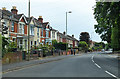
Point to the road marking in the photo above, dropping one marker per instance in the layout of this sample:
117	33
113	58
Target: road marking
110	74
92	57
93	61
97	65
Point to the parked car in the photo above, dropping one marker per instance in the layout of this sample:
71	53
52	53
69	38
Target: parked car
109	51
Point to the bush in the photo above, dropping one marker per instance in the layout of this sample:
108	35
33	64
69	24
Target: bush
115	39
83	45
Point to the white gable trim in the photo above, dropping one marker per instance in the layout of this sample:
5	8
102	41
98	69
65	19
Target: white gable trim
23	16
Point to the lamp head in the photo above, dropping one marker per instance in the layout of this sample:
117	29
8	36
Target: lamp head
70	12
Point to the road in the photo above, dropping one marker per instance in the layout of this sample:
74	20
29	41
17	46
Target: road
85	65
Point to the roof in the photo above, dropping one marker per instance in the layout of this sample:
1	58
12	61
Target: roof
68	36
8	15
18	16
61	35
54	29
45	24
37	23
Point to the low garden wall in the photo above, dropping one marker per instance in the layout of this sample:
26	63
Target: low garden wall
12	57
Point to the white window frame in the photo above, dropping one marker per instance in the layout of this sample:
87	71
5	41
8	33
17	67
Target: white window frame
21	30
12	27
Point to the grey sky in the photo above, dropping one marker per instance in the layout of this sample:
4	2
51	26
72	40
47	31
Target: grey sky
80	20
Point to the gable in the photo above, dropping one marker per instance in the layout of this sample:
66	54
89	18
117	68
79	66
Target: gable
23	19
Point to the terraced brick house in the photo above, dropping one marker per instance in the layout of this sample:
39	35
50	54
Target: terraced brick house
54	34
45	32
17	27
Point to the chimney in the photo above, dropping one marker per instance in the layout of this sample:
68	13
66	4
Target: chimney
40	19
14	10
64	33
3	8
73	36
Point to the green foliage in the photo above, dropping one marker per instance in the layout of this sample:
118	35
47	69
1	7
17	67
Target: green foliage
11	46
54	42
107	16
84	36
115	39
61	46
98	46
4	42
90	49
83	45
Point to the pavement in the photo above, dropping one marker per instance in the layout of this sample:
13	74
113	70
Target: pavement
93	65
19	65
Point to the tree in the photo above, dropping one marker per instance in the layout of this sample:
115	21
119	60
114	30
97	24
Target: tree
115	39
84	36
107	15
83	45
54	42
103	28
4	42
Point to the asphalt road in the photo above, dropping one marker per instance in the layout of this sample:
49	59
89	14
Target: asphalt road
86	65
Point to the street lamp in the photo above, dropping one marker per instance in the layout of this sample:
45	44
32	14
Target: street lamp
66	29
29	31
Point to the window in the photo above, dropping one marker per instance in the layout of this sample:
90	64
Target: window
21	28
12	28
53	34
20	44
38	32
25	44
31	30
47	33
42	32
35	43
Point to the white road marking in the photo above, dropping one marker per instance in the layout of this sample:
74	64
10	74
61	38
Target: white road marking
92	57
110	74
97	65
93	61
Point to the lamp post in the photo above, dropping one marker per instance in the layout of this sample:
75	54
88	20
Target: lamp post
66	29
29	31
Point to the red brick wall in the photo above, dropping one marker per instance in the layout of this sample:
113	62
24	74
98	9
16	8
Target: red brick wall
22	20
64	40
15	27
25	31
44	33
12	57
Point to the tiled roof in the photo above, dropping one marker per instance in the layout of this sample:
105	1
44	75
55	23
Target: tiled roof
37	23
54	29
45	24
8	15
18	16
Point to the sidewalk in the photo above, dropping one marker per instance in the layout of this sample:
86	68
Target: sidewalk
20	65
115	55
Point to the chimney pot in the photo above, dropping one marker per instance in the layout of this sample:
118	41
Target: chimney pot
14	10
64	33
3	8
14	7
40	16
40	19
73	36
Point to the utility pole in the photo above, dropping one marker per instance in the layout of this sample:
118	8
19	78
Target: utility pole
66	30
66	33
29	31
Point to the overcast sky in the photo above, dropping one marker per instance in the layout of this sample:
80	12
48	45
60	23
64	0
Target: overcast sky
80	20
